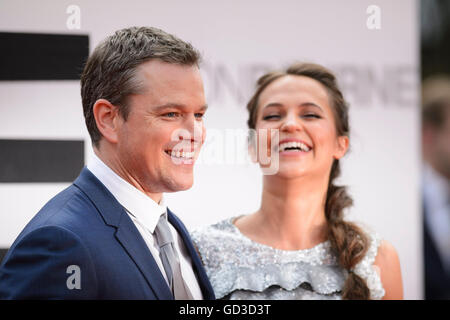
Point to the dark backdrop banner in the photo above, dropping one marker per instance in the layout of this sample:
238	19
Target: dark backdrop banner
40	160
36	56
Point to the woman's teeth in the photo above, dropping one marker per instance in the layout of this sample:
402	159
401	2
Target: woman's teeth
180	154
293	145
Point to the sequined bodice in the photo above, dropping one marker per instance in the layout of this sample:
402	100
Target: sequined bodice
240	268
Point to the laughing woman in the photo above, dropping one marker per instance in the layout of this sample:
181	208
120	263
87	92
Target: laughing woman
298	244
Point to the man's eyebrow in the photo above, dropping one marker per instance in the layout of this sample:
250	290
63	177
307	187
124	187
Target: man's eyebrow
204	107
280	105
179	106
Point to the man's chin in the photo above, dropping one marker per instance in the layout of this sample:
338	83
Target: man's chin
185	187
180	185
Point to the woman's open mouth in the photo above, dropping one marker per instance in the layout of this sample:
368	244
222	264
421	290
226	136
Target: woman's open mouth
293	146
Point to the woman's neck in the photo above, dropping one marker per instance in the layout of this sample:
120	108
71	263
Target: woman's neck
292	212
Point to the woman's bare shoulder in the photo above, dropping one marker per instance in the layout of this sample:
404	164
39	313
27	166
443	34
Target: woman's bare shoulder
388	263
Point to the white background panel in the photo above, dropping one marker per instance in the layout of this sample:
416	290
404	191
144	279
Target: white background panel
239	40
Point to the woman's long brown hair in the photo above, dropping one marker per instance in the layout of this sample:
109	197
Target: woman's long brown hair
347	240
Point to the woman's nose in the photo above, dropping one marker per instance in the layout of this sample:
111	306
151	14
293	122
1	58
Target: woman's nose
290	124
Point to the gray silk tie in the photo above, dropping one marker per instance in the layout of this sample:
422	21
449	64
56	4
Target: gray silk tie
170	260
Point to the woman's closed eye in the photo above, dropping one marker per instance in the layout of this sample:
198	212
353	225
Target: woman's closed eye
271	117
311	115
277	116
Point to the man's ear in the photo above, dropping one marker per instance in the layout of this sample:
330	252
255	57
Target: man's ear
341	147
107	119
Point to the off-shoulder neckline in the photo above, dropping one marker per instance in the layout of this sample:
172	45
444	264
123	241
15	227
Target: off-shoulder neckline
318	246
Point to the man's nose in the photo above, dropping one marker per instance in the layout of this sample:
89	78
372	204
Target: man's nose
192	130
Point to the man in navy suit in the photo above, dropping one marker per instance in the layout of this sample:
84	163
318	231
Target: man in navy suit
436	185
102	238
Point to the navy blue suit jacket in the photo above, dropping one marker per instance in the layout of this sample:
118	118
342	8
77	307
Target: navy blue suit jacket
85	226
437	280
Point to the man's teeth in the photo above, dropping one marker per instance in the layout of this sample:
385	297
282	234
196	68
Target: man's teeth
181	154
294	145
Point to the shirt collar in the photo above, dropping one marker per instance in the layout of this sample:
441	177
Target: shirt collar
138	204
436	188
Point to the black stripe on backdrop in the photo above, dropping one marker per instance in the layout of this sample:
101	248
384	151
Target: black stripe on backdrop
40	160
34	56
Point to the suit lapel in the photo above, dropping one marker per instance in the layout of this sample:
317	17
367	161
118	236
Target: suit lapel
205	285
134	244
127	234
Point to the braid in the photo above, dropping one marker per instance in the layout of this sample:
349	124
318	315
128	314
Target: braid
347	240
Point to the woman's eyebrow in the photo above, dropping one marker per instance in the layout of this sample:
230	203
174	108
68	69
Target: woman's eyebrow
273	104
280	105
310	104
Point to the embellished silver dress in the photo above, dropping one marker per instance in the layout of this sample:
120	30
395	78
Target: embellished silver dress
239	268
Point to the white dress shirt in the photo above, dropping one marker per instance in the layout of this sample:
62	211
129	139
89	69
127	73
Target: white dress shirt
145	214
437	207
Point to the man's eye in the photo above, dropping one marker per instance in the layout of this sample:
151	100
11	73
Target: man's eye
271	116
171	114
199	115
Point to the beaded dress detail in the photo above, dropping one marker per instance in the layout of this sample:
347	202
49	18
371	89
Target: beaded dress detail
239	268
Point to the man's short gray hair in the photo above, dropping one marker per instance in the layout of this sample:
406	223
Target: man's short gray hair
110	71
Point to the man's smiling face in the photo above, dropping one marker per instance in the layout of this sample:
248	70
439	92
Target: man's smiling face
164	131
